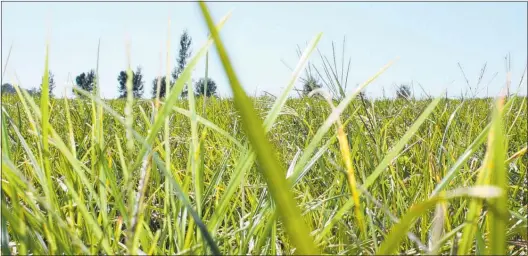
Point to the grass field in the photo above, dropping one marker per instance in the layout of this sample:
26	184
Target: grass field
263	175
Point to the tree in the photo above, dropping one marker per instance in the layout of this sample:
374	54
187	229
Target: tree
85	81
137	83
51	84
199	87
163	87
310	84
8	88
34	91
404	91
181	61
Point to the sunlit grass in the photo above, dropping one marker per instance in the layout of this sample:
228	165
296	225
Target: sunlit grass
260	176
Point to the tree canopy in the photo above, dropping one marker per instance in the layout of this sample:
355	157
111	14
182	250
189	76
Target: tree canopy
163	88
200	90
137	83
403	91
85	81
8	88
181	61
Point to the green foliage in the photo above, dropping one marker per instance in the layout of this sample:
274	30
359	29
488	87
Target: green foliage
163	85
319	192
200	88
8	88
137	83
183	54
51	83
403	92
85	81
332	72
310	84
255	176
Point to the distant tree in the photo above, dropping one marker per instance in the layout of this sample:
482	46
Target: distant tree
199	87
8	88
310	84
181	61
85	81
163	87
404	91
51	84
137	83
34	91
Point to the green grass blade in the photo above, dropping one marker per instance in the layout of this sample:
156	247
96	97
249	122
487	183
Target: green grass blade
205	83
249	156
171	178
389	157
3	232
480	246
4	235
211	126
44	110
41	176
195	151
329	122
70	128
498	208
271	169
453	171
390	244
183	197
172	98
492	168
279	103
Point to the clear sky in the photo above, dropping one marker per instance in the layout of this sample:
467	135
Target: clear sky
429	38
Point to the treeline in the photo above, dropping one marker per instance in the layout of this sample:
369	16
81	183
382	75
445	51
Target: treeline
87	80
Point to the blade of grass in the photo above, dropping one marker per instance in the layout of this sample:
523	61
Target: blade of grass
453	171
194	168
166	137
389	157
211	126
347	159
329	122
495	152
7	61
205	83
171	178
390	244
272	171
44	110
498	217
183	197
172	98
249	156
4	235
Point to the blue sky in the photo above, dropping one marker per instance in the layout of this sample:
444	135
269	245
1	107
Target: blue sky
429	38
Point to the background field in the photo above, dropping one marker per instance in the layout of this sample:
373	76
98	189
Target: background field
246	225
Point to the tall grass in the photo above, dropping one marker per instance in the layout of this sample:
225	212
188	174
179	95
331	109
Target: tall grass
256	176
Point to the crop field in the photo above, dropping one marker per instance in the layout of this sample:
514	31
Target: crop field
262	176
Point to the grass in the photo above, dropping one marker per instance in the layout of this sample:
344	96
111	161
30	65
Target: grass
261	175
